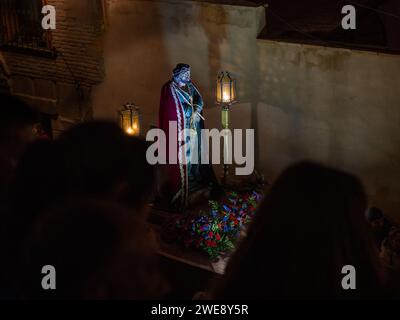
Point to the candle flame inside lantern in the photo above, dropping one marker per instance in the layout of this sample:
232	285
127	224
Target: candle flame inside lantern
226	90
130	121
130	131
226	97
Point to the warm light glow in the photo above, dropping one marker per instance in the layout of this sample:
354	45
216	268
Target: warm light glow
226	97
226	89
130	131
130	120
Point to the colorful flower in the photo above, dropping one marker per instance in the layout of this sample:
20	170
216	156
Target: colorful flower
216	232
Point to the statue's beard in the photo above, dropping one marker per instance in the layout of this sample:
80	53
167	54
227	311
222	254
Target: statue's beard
184	81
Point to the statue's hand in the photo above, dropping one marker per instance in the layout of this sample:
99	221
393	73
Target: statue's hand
194	120
198	107
198	117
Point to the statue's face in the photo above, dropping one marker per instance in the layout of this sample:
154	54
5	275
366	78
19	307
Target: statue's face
185	77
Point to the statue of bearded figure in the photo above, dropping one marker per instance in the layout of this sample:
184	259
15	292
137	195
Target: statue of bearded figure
181	103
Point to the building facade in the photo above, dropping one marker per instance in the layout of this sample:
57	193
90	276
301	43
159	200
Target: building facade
54	70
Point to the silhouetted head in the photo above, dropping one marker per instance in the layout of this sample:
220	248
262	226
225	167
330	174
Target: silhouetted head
376	218
16	118
310	225
37	181
98	249
99	159
374	213
17	121
91	159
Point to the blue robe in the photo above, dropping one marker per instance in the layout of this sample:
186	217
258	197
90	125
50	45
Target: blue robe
192	102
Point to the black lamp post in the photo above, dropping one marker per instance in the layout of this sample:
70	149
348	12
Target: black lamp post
226	97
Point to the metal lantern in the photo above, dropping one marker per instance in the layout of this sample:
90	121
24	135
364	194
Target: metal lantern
225	96
226	89
130	119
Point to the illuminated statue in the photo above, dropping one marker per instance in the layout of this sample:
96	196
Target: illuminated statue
182	103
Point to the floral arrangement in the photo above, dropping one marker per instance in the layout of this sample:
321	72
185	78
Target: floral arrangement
217	230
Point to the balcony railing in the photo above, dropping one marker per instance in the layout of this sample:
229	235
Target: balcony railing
21	27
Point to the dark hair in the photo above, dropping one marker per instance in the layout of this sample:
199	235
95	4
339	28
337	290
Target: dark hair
16	133
36	182
374	214
98	249
14	112
179	67
34	187
94	159
99	159
310	225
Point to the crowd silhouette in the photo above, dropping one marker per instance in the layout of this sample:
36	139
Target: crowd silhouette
80	202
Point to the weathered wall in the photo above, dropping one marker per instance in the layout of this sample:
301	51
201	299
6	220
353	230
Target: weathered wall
336	106
62	85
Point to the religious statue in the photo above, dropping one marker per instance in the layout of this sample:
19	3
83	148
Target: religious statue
181	103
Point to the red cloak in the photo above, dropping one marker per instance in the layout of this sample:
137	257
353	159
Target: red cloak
175	184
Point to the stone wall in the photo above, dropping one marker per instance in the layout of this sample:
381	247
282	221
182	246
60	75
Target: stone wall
62	85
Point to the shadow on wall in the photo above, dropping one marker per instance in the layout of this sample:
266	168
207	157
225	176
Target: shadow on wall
335	106
234	50
213	21
133	50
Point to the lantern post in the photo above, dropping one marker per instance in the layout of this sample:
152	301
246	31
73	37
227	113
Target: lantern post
226	97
